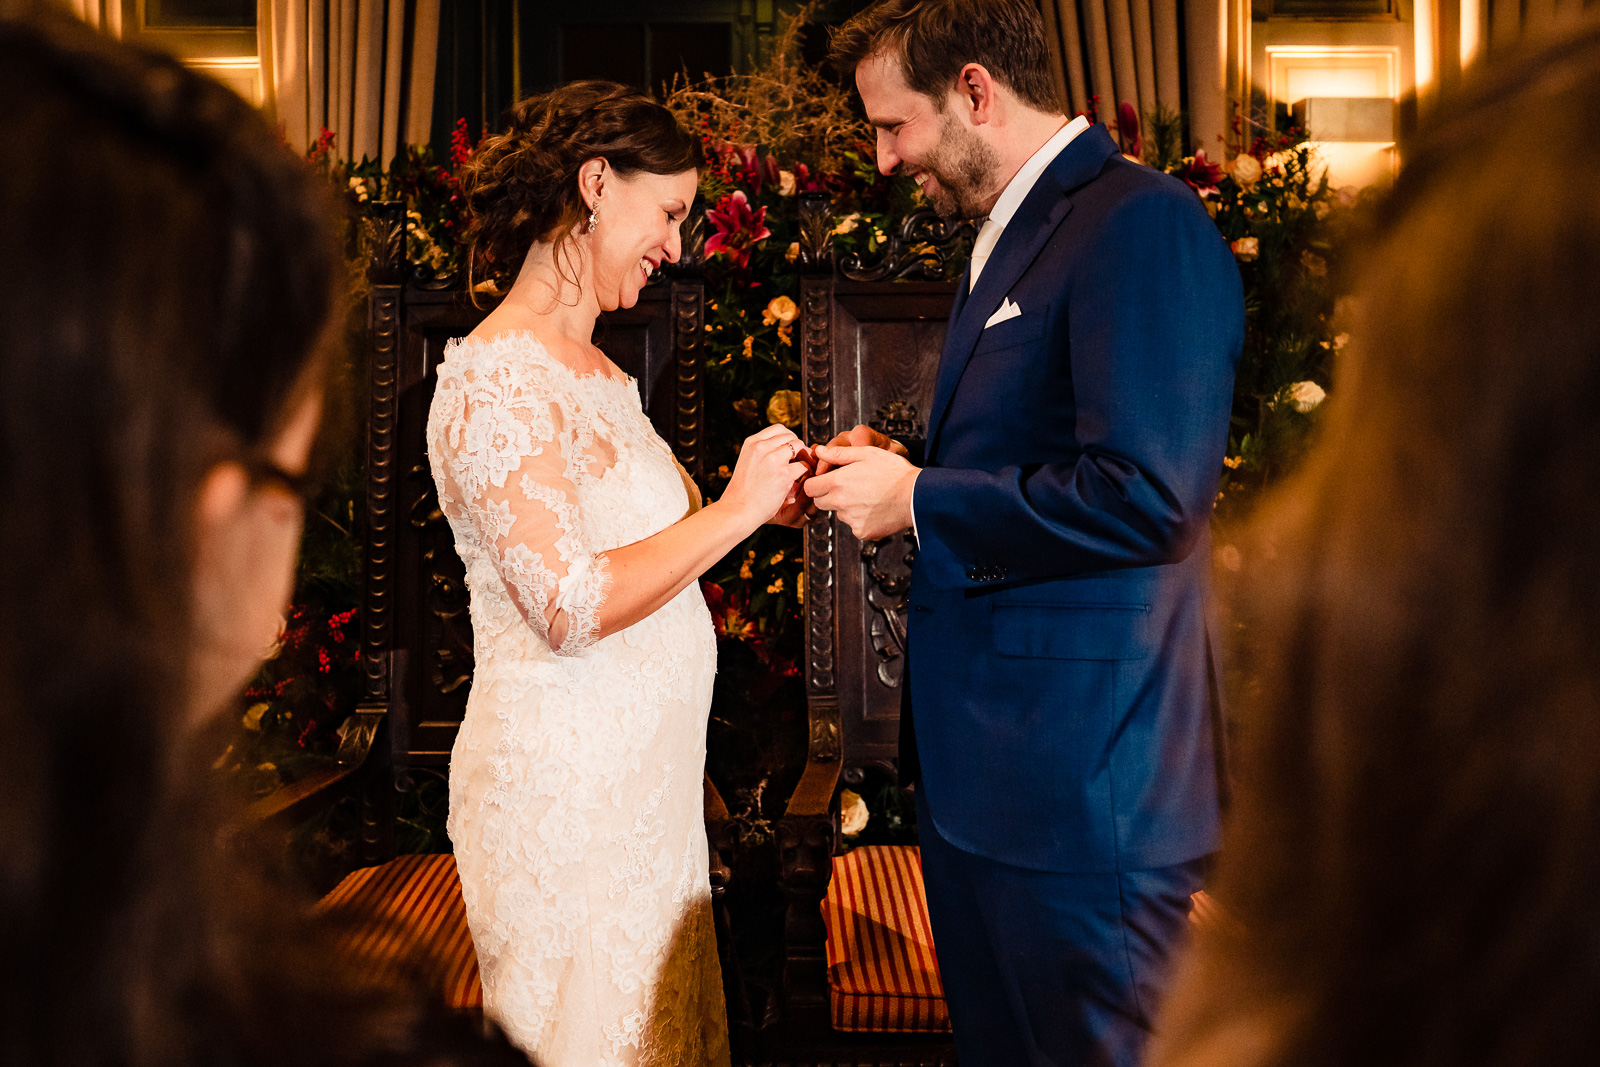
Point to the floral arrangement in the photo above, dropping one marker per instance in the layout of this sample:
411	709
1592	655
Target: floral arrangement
1273	204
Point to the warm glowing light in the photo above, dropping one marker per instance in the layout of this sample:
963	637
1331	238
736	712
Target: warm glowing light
1295	72
242	74
1356	164
1469	31
1422	16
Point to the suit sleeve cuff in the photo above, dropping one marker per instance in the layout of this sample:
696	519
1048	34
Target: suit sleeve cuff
935	560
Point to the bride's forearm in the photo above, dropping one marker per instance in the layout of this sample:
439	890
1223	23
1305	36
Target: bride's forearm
647	574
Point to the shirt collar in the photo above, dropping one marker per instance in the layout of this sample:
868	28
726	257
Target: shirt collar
1017	190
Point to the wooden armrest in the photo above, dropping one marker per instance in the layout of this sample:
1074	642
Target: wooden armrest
290	803
716	809
284	805
719	836
813	794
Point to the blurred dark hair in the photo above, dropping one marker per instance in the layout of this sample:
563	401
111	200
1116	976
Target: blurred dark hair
934	39
521	185
1416	842
168	286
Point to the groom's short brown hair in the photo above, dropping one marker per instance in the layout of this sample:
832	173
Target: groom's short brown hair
934	39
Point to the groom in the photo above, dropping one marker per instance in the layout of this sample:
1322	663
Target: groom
1061	711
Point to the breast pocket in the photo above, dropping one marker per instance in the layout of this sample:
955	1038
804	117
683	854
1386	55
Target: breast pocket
1073	631
1026	327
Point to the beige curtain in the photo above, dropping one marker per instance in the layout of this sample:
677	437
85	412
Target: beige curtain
1510	22
361	68
1128	51
101	14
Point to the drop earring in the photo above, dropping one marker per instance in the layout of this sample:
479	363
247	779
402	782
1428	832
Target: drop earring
593	214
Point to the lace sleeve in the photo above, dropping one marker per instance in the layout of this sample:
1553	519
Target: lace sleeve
509	452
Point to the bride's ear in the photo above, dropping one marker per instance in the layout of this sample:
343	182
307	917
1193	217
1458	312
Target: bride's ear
592	177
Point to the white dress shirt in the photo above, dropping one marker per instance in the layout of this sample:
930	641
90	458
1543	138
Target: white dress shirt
1016	191
1011	198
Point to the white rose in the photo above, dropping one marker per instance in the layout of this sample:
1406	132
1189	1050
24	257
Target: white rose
1247	248
853	813
1246	170
786	183
1305	396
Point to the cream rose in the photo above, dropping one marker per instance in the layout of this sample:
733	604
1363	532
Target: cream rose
1305	396
853	814
1247	248
1246	170
787	407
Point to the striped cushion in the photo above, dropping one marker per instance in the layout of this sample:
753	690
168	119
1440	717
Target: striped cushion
409	912
882	975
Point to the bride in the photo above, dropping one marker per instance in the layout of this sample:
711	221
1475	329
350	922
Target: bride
575	784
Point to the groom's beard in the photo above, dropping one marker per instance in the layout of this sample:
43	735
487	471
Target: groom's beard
963	168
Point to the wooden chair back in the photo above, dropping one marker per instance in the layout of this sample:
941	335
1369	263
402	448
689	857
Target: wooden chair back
871	339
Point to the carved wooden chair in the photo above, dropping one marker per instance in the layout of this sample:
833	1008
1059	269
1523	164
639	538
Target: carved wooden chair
871	339
416	650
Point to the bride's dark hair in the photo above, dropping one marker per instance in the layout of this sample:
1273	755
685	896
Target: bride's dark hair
168	284
521	185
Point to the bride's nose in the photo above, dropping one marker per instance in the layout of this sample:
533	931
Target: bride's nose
674	246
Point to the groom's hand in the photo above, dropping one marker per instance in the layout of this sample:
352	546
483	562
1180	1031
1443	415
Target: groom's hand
864	437
868	487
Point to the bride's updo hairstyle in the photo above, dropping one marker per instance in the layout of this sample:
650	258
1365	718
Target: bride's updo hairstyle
521	185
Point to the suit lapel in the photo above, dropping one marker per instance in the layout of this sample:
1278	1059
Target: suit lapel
1025	235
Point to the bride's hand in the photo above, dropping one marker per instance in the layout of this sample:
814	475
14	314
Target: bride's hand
771	465
797	507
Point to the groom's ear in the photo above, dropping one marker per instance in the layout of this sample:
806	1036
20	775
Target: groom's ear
976	87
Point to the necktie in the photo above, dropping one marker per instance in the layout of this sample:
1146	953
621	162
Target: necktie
984	244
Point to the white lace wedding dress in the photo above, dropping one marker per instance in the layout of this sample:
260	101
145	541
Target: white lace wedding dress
575	784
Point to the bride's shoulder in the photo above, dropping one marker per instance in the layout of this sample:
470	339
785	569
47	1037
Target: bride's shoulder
514	358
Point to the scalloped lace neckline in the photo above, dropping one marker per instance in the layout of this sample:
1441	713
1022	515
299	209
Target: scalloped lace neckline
523	341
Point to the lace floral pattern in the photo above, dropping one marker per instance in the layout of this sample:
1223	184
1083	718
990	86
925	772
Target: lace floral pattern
575	783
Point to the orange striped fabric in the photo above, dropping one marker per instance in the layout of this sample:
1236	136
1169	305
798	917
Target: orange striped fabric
408	912
882	974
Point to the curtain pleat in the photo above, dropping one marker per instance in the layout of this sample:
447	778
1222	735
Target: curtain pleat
361	68
101	14
424	49
1125	70
366	135
1144	53
1129	51
1205	47
393	76
1169	87
1101	82
1505	23
1511	22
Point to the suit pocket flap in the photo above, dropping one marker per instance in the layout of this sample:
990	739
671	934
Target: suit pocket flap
1028	326
1073	631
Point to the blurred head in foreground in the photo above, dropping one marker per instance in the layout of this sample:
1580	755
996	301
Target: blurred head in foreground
168	284
1416	841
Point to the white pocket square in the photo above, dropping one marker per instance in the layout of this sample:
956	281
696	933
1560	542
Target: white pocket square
1008	310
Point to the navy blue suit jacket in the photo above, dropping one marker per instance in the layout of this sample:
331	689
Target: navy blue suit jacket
1060	706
